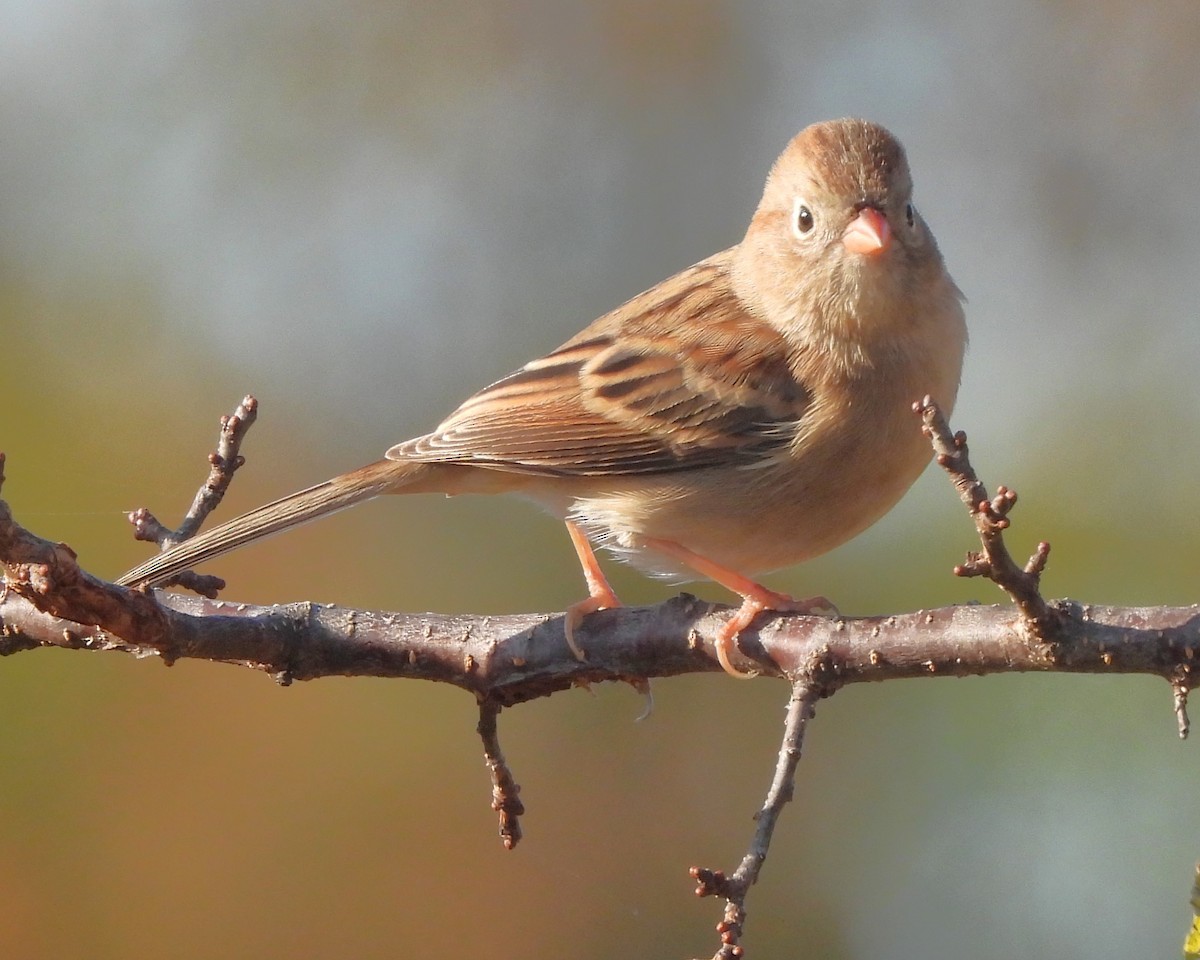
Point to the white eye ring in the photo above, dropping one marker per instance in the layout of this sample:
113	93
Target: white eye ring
802	219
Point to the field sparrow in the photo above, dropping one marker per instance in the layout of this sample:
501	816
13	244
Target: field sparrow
746	414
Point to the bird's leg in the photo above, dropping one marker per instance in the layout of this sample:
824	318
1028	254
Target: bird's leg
755	599
600	594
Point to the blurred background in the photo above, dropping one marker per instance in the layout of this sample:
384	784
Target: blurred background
362	211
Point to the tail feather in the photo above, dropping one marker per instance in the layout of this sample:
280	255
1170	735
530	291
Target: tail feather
283	514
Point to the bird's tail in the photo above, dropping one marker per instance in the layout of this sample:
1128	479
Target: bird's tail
325	498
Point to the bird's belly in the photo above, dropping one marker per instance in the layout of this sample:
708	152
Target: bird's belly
754	520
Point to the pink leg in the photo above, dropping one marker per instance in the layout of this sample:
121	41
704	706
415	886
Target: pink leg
755	599
600	594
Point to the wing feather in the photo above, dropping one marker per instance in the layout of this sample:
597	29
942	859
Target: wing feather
621	398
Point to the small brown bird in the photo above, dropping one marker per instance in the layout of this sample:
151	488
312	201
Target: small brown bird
746	414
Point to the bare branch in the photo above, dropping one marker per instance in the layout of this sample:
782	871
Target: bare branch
1180	690
505	789
520	657
801	709
991	520
223	463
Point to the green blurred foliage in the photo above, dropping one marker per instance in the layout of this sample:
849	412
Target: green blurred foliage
360	212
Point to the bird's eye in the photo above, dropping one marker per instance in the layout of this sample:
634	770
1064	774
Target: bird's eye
910	215
802	218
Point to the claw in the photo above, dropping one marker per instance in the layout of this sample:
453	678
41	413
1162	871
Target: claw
600	594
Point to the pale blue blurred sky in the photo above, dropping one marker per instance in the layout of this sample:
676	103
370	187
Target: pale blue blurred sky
355	197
